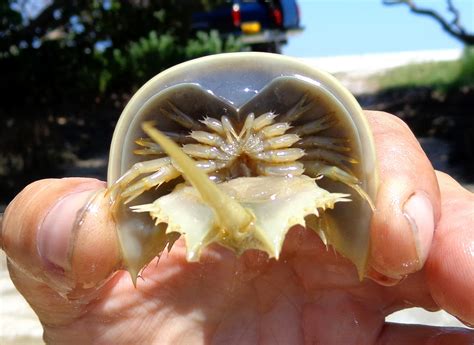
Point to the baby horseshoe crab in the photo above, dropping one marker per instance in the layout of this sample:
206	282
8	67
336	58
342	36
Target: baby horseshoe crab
236	149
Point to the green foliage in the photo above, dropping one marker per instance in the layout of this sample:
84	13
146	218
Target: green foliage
466	75
94	48
210	43
442	76
437	74
152	54
10	19
78	59
141	60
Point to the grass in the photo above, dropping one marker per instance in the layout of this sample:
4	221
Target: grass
442	76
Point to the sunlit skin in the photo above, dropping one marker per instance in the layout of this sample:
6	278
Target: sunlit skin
310	296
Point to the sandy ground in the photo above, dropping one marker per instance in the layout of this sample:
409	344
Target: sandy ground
18	323
20	326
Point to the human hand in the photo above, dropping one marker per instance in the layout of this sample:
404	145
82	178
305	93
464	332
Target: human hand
69	272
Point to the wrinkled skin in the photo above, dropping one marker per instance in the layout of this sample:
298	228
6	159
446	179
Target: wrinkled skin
310	296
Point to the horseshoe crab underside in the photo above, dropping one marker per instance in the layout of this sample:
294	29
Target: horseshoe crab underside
240	162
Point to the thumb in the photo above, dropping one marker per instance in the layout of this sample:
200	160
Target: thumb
60	242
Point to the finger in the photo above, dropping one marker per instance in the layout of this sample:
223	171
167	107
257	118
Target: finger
407	205
395	334
450	266
60	243
447	278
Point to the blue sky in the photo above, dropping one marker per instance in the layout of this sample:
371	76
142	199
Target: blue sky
346	27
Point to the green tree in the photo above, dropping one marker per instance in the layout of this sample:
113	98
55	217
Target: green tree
68	67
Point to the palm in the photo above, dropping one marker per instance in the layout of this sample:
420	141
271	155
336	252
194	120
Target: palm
311	295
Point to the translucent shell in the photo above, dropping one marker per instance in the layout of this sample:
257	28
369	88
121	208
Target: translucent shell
259	143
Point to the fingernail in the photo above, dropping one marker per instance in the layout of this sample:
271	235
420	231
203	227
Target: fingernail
419	213
381	278
55	236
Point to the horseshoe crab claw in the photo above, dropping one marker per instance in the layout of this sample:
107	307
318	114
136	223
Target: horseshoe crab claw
236	149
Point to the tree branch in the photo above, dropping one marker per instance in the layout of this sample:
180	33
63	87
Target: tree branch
40	25
456	20
454	28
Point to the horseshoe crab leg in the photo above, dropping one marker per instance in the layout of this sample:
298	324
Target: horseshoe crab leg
282	141
123	183
297	110
329	156
164	174
180	117
337	174
268	169
263	120
328	143
149	148
324	122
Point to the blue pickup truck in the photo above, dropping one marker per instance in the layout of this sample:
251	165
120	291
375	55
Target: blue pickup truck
263	24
